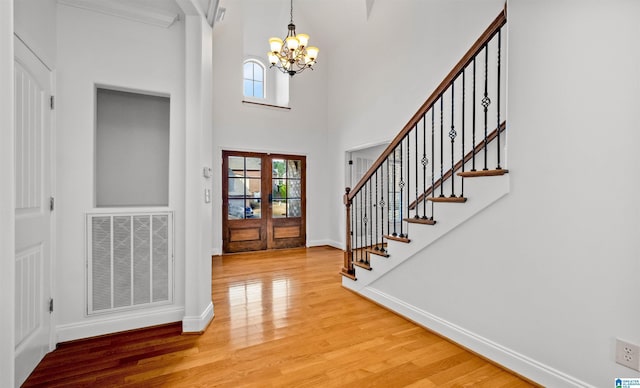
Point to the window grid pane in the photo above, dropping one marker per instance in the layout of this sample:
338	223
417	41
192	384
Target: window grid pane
258	72
257	89
253	79
248	88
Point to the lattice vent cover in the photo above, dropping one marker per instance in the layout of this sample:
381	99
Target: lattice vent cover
129	261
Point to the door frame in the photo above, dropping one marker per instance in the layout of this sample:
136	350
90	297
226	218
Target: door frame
267	222
7	190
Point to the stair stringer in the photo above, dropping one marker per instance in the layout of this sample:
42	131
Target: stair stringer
481	193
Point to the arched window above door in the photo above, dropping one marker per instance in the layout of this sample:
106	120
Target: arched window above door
253	79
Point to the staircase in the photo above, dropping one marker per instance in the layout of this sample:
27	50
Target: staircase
441	169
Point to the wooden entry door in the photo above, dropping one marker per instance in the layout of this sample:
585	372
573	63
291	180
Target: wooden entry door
264	205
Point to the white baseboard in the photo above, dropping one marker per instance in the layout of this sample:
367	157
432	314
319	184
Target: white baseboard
512	360
198	324
331	243
216	252
96	326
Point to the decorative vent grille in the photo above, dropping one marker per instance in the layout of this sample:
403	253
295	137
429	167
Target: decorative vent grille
129	260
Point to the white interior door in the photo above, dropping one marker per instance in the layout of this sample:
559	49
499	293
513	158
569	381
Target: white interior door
33	217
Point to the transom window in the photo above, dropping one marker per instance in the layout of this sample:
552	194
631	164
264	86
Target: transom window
253	82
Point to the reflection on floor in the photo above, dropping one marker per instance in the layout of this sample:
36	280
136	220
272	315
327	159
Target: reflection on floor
282	319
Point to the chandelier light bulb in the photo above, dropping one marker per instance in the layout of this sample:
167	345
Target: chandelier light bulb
276	44
273	59
303	39
312	52
292	43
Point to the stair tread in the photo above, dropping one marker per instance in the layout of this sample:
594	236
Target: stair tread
479	173
448	199
423	221
363	265
396	238
348	275
375	252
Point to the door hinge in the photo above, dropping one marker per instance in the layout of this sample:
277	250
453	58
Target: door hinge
50	305
350	162
52	202
52	103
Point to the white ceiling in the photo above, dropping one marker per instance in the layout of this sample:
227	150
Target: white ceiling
331	20
167	5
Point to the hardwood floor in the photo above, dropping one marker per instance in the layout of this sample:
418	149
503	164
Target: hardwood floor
282	319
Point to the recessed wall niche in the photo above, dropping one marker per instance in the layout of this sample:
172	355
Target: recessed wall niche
131	149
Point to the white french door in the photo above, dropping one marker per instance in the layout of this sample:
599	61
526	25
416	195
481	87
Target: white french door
33	217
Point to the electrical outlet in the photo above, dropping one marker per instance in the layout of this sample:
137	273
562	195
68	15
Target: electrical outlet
628	354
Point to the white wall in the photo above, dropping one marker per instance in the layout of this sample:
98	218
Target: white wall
237	126
198	142
7	201
255	45
35	24
94	48
550	272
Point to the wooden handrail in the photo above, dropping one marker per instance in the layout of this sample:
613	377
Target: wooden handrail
478	148
479	44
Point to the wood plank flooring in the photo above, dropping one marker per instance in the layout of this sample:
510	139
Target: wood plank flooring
282	319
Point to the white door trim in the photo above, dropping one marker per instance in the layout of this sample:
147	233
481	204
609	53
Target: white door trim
7	190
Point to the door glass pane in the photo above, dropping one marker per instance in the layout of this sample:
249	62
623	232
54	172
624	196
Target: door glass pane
248	209
236	166
253	187
293	168
293	208
236	187
286	188
236	209
245	187
254	166
279	189
293	188
279	168
256	208
279	209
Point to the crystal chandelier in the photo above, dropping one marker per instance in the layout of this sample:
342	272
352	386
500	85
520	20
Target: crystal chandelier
292	56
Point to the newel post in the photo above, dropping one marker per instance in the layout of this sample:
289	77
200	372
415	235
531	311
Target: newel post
348	269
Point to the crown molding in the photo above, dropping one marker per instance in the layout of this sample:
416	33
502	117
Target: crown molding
153	16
